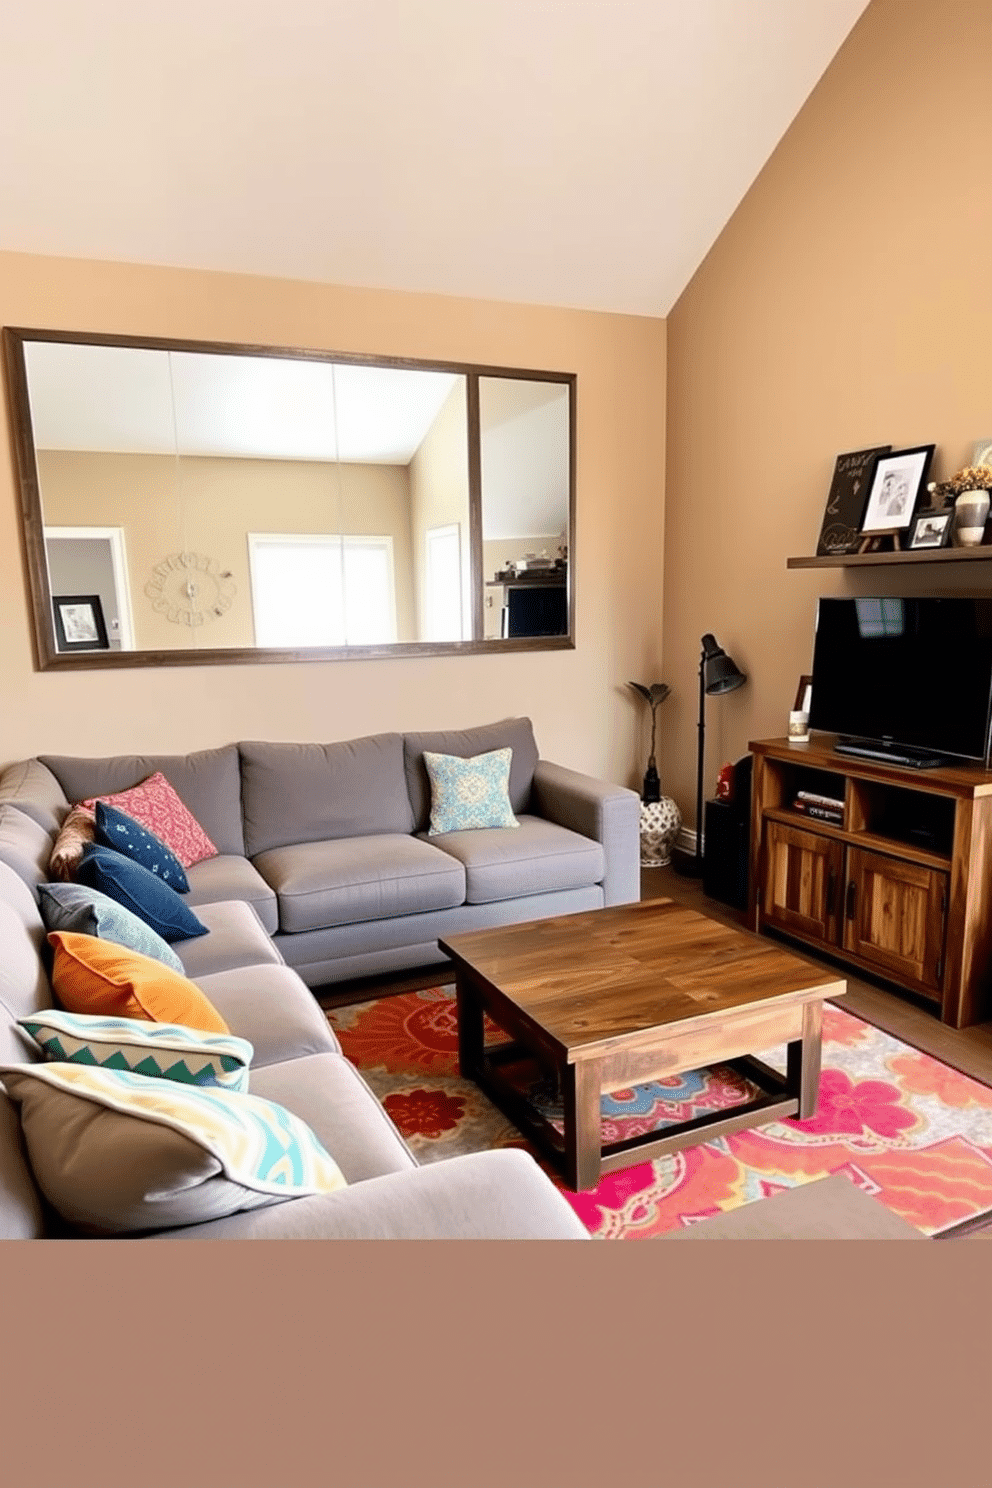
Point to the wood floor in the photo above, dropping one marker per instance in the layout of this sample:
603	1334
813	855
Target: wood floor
967	1049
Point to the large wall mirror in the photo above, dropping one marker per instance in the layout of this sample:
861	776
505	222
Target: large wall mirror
191	502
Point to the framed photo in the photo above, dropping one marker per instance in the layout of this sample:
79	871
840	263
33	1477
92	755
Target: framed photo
804	693
840	531
982	453
79	624
931	529
896	483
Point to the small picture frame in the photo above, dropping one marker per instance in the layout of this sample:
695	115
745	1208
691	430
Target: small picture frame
896	483
931	529
982	453
79	623
804	693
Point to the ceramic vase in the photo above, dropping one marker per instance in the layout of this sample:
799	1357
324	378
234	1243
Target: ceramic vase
971	510
660	823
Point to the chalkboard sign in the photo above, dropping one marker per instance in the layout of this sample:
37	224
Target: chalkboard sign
841	530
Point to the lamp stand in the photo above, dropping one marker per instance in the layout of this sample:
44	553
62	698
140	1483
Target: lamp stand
690	865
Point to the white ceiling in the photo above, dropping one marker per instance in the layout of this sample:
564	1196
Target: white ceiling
135	400
572	152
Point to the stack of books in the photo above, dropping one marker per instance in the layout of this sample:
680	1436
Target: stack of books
824	808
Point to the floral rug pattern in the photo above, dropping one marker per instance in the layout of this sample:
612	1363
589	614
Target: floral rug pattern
901	1125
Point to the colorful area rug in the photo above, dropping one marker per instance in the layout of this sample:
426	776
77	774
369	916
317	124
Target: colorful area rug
901	1125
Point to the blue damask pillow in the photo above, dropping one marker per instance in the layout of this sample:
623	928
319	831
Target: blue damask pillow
78	907
116	829
470	793
153	901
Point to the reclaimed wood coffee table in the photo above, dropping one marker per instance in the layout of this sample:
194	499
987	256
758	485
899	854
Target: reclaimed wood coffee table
622	996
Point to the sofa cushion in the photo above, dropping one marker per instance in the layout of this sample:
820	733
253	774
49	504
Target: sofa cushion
163	1051
359	878
208	782
114	828
469	794
272	1008
235	937
96	976
24	986
539	858
33	789
139	891
513	733
24	846
313	792
77	907
328	1093
77	831
231	878
117	1153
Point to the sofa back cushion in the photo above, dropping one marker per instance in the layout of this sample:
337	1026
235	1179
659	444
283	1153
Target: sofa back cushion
207	782
24	845
33	789
315	792
515	733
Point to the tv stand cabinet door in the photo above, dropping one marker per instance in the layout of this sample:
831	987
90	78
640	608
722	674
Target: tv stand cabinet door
800	886
895	917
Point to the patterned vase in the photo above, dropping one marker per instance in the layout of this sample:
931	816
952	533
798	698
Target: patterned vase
660	823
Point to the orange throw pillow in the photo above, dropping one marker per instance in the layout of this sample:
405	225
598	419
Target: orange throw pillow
100	977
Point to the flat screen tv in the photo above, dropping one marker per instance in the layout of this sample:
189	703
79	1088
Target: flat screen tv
909	678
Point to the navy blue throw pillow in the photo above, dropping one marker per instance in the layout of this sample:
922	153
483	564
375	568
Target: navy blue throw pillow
140	891
116	829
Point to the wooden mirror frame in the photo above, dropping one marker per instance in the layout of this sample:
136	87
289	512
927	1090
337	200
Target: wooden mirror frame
49	658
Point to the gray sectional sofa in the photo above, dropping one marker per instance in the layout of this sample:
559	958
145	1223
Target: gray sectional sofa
324	863
329	842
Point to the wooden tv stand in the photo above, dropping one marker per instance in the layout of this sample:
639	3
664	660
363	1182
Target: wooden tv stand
900	887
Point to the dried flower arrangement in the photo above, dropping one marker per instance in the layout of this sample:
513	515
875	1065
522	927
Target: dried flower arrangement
971	478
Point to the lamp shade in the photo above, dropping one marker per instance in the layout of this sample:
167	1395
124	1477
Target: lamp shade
720	673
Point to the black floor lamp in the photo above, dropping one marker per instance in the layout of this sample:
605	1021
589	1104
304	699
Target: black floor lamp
717	673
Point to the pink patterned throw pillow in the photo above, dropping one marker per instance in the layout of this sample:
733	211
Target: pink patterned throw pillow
156	806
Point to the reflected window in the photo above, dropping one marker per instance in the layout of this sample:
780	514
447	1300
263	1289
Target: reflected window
322	589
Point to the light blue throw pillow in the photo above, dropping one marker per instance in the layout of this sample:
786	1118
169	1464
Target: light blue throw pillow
470	794
127	882
163	1051
116	829
79	908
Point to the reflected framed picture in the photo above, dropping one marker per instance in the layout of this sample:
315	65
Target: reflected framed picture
931	529
896	483
79	623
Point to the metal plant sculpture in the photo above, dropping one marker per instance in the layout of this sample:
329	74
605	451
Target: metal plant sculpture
654	695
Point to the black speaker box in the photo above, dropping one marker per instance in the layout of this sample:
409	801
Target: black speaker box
726	841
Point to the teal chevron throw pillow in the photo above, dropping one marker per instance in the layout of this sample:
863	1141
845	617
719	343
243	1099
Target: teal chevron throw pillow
162	1051
86	911
471	793
117	1153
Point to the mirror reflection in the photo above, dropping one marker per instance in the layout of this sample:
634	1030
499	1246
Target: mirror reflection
212	500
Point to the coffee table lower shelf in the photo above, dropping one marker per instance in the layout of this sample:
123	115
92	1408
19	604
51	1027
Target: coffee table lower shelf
774	1104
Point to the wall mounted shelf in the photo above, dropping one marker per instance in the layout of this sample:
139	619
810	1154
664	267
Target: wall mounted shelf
878	560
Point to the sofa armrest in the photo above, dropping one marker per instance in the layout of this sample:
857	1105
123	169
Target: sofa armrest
498	1195
610	814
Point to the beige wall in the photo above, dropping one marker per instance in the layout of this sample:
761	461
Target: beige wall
577	699
439	498
846	304
208	506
